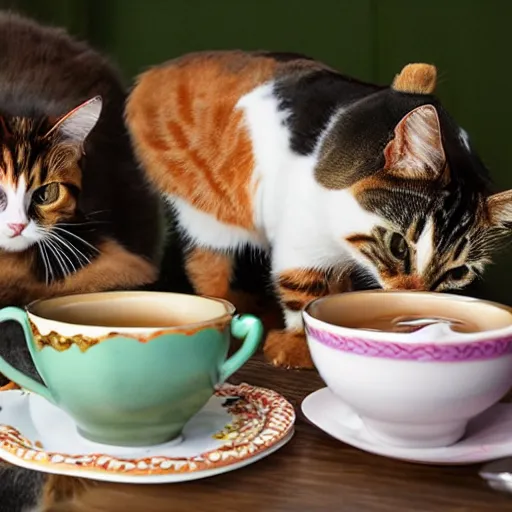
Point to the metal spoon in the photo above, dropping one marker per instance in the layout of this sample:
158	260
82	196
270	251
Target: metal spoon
498	474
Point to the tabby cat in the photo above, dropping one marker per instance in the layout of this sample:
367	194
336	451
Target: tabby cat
76	213
325	172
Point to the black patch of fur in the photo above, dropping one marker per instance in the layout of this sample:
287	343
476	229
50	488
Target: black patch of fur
311	99
21	488
354	148
14	350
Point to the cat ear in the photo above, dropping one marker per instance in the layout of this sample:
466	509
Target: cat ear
77	124
499	208
416	152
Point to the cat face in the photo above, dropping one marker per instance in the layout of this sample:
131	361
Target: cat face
429	231
39	174
423	256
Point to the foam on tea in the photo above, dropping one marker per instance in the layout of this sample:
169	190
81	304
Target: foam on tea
413	323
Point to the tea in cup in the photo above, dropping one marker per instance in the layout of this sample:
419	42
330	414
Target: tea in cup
415	366
131	368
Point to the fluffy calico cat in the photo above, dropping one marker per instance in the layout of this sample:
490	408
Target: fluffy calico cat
76	213
280	152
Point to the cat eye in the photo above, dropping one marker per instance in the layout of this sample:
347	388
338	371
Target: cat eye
458	273
47	194
398	246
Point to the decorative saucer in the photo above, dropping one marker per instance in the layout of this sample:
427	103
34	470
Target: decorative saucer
488	436
238	426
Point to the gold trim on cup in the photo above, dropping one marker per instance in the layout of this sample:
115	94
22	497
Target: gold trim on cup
63	342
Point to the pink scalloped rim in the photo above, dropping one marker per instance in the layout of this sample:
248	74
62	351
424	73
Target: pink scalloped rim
438	352
261	418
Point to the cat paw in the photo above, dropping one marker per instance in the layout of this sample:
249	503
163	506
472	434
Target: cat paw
288	349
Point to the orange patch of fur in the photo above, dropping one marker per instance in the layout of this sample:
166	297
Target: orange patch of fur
189	136
359	240
113	269
377	181
406	282
416	79
209	272
9	387
15	288
288	349
58	489
8	169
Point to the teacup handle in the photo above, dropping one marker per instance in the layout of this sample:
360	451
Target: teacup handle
8	370
250	329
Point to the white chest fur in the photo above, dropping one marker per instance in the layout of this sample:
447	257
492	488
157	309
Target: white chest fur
305	223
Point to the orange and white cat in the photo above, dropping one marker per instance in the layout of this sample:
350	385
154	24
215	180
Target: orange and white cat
280	152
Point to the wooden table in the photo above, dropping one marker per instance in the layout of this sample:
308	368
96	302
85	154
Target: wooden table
313	472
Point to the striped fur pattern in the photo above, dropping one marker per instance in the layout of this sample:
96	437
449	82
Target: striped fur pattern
325	173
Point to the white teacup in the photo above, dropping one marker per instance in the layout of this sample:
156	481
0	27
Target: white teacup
416	389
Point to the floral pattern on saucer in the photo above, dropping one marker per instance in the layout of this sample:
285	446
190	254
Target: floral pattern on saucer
261	418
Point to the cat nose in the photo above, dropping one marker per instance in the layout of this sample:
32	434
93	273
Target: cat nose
16	228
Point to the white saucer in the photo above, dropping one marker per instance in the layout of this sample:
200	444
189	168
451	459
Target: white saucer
488	437
227	434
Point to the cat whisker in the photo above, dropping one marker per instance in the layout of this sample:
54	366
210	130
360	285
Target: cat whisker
48	263
63	253
43	258
80	239
87	223
55	251
61	250
75	252
97	212
81	258
44	255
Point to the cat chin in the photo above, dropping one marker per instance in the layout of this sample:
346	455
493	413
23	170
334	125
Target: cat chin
18	244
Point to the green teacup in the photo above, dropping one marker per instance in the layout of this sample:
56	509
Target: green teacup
131	368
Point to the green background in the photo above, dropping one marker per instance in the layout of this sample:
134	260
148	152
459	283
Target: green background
468	40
